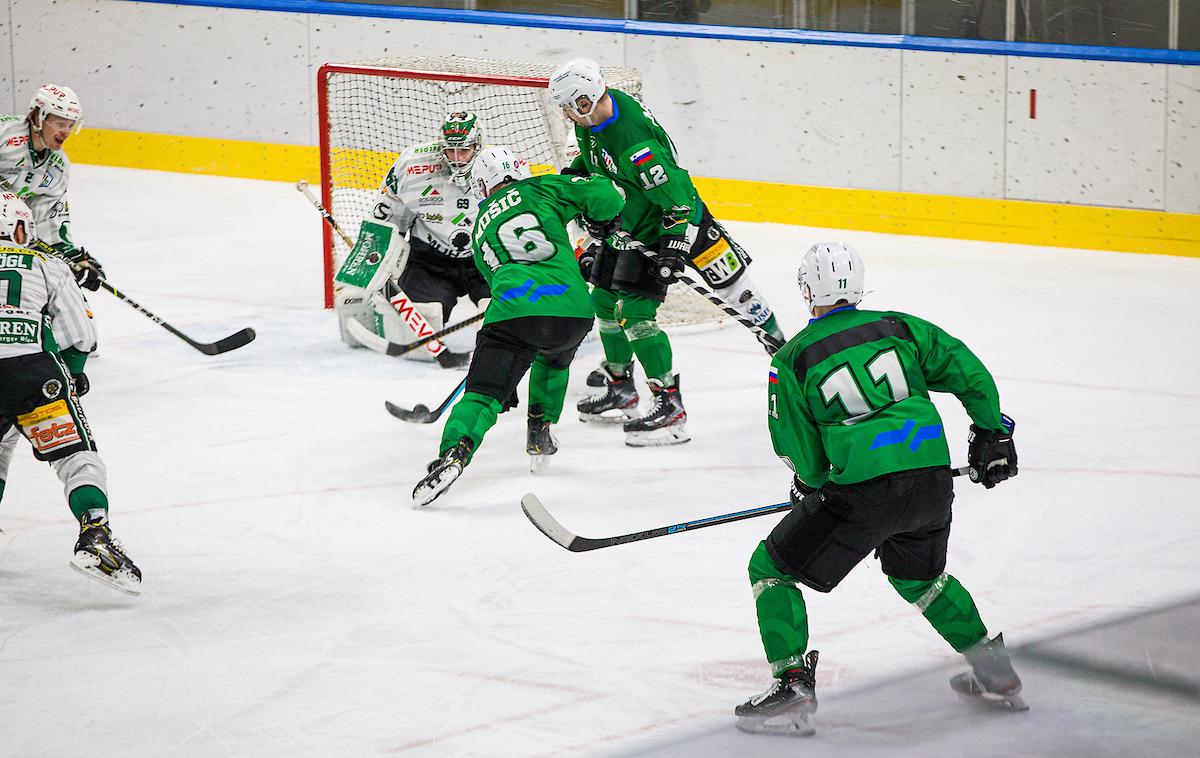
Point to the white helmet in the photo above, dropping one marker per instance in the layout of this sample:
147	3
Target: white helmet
578	78
831	272
15	214
53	100
496	165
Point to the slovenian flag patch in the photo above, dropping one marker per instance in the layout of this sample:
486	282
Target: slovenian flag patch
641	156
773	377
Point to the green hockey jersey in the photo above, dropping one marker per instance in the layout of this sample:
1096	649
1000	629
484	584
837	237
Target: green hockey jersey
522	249
633	150
848	397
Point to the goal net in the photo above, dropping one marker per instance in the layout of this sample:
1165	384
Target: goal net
371	110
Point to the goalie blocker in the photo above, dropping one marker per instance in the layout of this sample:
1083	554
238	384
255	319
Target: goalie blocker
373	311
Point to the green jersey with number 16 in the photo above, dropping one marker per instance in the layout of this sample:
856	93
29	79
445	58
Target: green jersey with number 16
848	397
522	248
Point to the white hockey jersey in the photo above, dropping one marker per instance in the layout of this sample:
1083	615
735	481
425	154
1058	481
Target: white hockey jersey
34	288
41	183
419	196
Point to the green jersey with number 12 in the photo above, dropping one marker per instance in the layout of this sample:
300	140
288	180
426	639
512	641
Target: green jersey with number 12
848	397
522	248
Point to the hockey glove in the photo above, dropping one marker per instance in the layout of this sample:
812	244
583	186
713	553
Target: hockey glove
799	491
670	259
80	384
587	259
991	454
600	229
88	271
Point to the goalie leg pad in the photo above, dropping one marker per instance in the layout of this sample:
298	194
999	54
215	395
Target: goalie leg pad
719	260
746	299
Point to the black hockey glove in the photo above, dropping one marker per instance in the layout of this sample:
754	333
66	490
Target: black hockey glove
799	491
88	271
991	454
80	384
600	229
670	259
587	259
572	171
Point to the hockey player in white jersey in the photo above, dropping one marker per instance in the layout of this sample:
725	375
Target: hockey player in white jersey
34	166
45	338
427	195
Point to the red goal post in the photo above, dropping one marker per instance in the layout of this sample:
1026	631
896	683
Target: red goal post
368	111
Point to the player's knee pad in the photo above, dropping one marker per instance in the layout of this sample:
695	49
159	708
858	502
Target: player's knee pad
80	469
746	299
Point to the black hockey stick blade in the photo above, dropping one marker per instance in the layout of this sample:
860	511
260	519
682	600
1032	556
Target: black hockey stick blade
420	414
545	522
225	344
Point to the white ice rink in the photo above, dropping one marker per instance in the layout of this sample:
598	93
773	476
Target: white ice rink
296	605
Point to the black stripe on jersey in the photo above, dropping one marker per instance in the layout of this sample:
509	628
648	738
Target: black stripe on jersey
888	326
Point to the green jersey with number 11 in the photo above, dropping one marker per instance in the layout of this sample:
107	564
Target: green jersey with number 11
522	249
848	397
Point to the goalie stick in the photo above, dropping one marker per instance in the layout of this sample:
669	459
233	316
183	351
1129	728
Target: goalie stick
420	414
536	512
374	341
223	345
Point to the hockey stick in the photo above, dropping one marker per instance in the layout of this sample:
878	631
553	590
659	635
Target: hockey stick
381	345
550	526
223	345
420	414
763	336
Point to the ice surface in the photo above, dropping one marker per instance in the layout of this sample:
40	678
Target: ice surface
296	605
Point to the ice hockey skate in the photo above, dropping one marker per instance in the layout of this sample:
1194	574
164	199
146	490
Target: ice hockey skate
443	472
100	556
664	424
787	707
539	442
991	678
450	359
616	405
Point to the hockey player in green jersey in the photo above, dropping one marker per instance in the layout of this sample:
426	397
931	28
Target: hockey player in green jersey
34	166
539	311
618	138
45	337
849	412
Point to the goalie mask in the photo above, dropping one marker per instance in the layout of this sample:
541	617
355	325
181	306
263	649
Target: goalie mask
16	221
496	165
53	100
831	272
460	142
578	79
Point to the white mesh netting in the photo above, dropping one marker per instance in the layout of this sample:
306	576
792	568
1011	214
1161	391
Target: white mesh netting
371	110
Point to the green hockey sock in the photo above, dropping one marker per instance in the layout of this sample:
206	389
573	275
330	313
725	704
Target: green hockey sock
471	417
638	316
782	614
85	498
771	327
1	489
617	349
547	388
947	605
